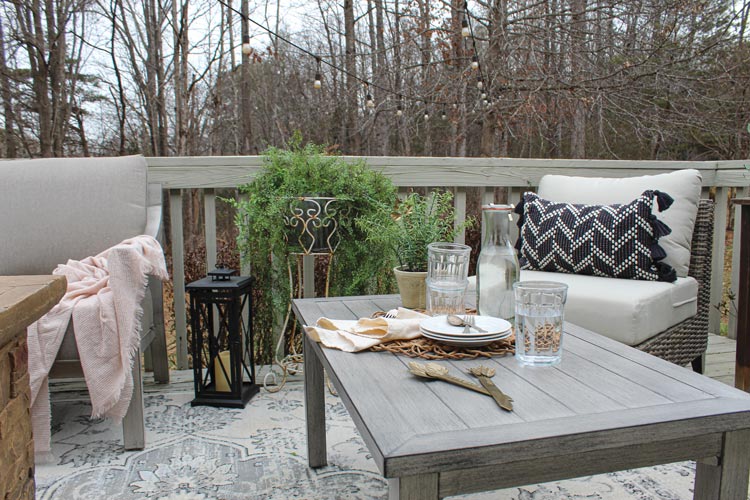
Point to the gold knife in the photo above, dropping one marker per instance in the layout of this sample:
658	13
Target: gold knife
483	373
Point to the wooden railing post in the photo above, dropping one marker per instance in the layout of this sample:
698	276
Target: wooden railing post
178	277
209	210
717	259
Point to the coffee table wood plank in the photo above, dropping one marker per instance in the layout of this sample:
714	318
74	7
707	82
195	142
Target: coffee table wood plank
530	402
728	479
630	370
476	409
605	381
565	466
682	378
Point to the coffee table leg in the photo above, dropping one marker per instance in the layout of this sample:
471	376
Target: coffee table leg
420	487
315	412
728	480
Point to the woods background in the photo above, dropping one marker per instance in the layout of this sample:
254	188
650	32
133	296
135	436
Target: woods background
641	79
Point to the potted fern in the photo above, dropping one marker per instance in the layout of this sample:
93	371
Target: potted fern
291	176
406	230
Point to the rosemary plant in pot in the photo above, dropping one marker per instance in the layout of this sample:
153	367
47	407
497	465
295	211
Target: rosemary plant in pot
406	230
265	243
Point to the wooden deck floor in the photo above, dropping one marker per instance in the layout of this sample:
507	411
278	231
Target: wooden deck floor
720	359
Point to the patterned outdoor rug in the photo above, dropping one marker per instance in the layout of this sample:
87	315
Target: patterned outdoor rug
259	453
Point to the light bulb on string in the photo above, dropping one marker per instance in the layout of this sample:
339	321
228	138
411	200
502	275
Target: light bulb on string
399	111
474	63
465	32
246	48
443	115
369	102
483	95
426	115
480	83
318	80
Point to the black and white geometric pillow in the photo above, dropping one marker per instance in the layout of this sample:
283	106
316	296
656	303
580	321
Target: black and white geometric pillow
616	241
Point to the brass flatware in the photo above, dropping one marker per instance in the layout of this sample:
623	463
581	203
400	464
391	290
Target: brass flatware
435	371
466	321
484	374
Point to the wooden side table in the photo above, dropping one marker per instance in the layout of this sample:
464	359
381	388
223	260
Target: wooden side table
742	367
23	300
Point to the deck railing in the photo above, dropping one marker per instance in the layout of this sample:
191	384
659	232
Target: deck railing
513	175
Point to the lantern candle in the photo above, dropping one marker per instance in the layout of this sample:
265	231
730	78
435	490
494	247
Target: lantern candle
223	382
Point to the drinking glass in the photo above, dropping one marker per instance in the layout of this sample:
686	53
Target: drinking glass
447	277
539	321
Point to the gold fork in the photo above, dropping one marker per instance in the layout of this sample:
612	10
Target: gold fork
471	320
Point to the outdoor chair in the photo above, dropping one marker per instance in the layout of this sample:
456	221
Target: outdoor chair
666	318
72	208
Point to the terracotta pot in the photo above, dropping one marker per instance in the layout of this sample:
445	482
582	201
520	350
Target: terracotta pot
412	287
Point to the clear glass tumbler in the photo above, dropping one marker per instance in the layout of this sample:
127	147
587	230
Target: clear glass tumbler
539	321
447	277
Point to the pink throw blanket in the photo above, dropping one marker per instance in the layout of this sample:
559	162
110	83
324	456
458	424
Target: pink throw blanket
104	300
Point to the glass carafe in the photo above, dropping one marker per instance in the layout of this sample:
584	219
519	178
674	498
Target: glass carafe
497	267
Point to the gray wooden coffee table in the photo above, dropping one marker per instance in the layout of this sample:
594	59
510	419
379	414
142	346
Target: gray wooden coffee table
606	407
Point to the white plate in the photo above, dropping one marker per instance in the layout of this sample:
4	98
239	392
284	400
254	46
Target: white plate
440	325
459	342
465	337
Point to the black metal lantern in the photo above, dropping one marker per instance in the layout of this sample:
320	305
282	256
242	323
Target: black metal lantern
222	339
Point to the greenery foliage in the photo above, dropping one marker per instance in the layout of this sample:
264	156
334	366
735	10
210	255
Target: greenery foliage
416	222
307	170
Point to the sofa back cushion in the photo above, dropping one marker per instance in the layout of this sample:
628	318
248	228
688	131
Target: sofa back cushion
57	209
684	186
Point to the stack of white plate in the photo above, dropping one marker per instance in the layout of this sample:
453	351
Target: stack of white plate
438	328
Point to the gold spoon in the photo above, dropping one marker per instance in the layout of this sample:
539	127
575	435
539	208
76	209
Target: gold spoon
434	370
459	321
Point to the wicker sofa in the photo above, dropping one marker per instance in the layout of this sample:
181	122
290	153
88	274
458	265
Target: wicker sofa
668	319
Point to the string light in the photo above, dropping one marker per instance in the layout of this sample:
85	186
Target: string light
483	95
318	80
247	49
466	32
443	115
426	115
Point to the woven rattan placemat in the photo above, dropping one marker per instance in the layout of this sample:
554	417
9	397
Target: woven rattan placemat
430	349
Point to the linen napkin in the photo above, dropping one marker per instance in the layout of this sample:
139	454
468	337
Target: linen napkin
361	334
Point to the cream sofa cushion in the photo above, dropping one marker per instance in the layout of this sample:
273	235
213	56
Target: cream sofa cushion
629	311
682	185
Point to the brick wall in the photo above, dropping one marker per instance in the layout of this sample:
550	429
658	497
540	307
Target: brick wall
16	441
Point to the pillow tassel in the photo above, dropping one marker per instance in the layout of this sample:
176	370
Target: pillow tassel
663	200
657	252
660	229
519	222
665	272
